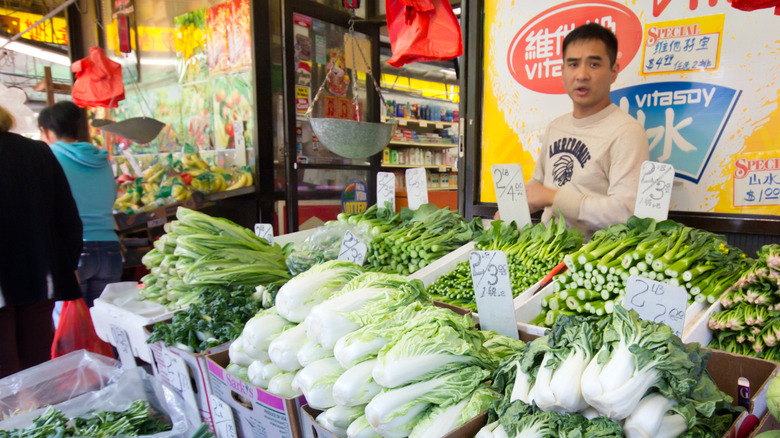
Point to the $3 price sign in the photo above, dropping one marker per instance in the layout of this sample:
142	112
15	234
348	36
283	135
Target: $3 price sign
657	302
352	249
493	292
655	190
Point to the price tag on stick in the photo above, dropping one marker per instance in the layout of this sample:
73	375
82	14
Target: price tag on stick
509	183
655	190
239	142
122	344
224	422
657	302
385	189
352	249
416	187
493	291
265	231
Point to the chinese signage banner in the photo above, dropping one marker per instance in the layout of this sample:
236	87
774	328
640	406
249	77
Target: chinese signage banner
701	77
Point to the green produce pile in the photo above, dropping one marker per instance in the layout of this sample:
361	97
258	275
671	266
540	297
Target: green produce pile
371	352
700	261
200	250
619	370
531	253
218	318
137	420
750	323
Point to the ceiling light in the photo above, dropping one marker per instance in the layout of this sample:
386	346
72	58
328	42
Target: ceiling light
30	50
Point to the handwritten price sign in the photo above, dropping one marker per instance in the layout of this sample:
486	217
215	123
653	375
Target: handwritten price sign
493	291
352	249
509	184
416	187
224	422
385	189
657	302
655	190
265	231
122	344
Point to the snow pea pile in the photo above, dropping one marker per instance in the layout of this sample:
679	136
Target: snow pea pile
699	261
621	374
200	250
531	253
371	352
750	323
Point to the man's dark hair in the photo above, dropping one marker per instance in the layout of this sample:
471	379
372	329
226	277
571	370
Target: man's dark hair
62	119
593	31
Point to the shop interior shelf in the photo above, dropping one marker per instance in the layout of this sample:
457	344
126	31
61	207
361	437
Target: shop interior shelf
424	145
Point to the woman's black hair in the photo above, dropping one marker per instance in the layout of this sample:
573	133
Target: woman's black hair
62	119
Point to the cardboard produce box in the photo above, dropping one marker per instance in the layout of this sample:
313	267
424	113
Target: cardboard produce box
767	423
258	413
187	373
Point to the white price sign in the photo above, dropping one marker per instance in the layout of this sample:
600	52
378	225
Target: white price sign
423	123
509	184
402	122
178	375
657	302
655	190
416	187
493	292
265	231
122	344
239	142
352	249
224	422
385	189
439	125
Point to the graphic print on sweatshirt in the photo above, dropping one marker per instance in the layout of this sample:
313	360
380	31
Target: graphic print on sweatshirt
565	154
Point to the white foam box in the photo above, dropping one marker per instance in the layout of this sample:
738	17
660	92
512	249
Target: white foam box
429	274
192	380
120	306
257	412
531	307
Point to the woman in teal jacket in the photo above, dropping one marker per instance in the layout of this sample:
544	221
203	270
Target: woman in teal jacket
92	183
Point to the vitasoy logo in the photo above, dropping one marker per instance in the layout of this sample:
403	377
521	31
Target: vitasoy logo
535	57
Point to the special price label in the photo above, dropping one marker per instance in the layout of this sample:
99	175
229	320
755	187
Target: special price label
385	189
655	190
122	344
416	187
493	292
657	302
265	231
509	183
352	249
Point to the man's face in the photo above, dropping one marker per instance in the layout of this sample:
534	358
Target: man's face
587	76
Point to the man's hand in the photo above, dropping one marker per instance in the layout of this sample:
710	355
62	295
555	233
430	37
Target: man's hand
539	196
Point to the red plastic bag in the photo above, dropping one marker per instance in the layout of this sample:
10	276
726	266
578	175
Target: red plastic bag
76	332
752	5
99	81
422	30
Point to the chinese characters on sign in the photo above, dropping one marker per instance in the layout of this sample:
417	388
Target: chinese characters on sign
683	45
757	182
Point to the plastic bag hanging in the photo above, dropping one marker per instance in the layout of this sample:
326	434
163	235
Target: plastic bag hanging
98	81
422	30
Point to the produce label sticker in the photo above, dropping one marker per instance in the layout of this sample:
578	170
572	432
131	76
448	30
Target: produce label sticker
509	183
352	249
175	373
385	189
657	302
655	190
239	142
493	292
416	187
756	181
224	422
265	231
122	344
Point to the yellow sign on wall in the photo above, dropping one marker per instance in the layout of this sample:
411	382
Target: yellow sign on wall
50	31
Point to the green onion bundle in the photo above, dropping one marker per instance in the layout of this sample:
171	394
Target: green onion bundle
200	250
531	253
750	321
699	261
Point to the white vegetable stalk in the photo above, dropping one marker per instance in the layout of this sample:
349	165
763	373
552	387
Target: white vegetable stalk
237	354
316	382
269	371
392	373
283	350
351	349
540	392
443	422
335	430
343	416
255	374
310	352
328	321
487	430
262	329
281	384
566	383
356	386
361	429
398	427
298	296
652	418
522	386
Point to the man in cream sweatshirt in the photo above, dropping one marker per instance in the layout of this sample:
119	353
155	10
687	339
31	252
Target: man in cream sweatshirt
590	159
